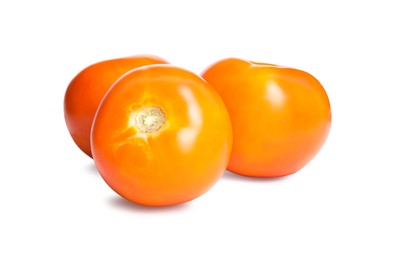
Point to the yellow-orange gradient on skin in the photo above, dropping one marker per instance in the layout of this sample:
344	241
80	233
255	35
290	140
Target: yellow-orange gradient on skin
281	116
156	137
87	89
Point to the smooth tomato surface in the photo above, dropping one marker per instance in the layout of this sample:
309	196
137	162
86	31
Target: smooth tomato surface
281	116
161	136
87	89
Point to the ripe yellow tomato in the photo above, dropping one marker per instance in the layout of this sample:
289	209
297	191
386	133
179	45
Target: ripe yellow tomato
161	136
87	89
281	116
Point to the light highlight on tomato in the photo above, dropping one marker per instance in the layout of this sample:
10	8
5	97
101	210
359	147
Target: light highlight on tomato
87	89
281	116
161	136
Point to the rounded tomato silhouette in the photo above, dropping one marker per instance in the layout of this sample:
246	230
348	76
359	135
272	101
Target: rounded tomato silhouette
281	116
161	136
87	89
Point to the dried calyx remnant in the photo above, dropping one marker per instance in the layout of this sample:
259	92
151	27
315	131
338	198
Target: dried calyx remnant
149	119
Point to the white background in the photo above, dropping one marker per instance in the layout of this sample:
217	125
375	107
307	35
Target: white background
54	204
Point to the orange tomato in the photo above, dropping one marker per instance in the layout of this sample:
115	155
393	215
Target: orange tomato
161	136
281	116
87	89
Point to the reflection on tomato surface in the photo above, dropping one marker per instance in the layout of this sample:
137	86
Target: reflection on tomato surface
281	116
155	137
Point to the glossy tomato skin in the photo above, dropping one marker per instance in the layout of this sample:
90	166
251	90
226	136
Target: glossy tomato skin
87	89
174	162
281	116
